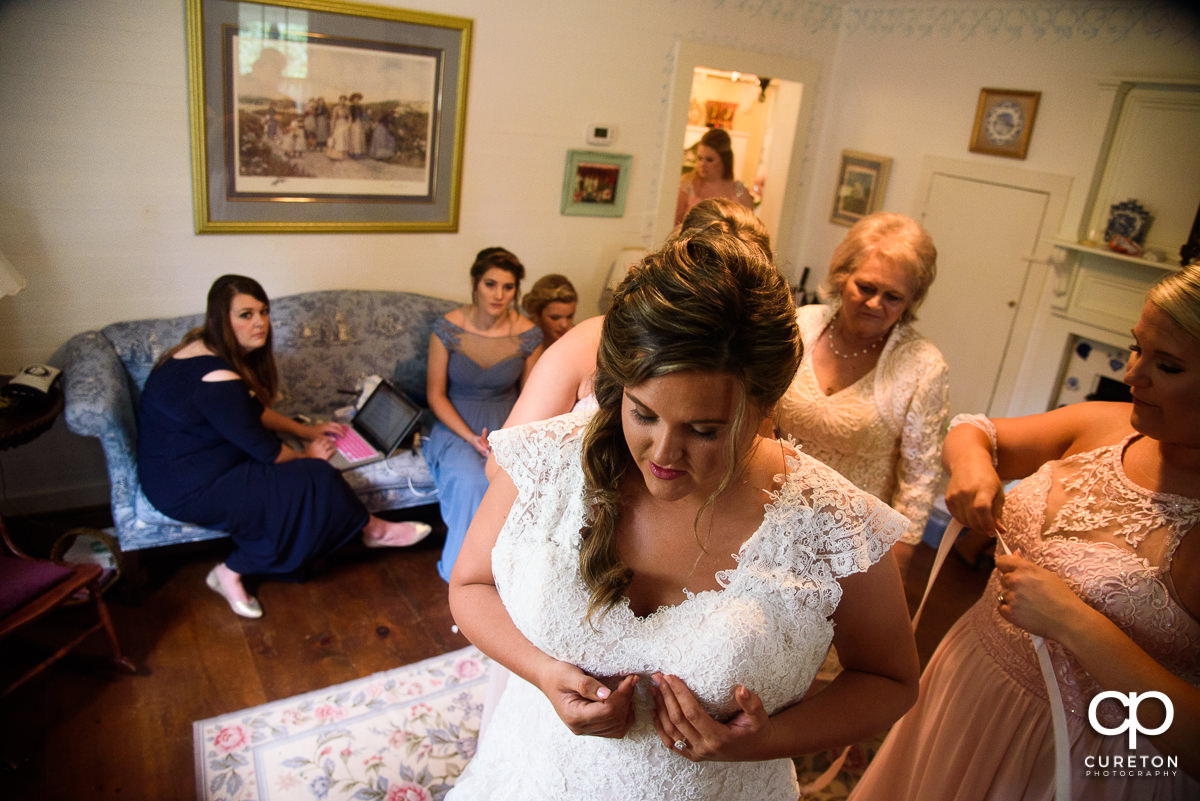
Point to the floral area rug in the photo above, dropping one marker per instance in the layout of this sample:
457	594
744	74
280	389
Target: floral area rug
401	735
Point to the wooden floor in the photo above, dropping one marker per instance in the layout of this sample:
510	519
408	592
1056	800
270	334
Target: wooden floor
83	731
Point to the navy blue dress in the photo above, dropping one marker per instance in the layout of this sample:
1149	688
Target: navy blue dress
204	457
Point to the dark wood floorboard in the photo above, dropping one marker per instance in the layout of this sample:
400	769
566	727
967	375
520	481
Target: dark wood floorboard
84	731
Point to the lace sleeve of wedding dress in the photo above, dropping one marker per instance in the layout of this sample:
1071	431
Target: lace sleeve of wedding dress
849	528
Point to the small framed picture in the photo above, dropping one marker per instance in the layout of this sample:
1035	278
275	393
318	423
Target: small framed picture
862	178
1004	122
595	184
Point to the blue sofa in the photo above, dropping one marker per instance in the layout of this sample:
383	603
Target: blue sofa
324	342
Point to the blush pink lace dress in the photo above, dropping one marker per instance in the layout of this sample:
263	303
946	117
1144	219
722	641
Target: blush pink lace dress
768	628
981	728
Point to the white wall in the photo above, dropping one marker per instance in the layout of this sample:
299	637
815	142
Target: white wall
906	78
95	187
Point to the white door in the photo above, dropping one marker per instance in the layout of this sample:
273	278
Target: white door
986	224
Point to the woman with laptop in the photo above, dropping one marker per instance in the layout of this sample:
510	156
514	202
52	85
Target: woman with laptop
207	454
479	357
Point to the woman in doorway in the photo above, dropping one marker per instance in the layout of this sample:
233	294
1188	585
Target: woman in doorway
712	177
479	357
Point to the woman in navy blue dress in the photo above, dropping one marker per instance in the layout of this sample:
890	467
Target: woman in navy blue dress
207	454
479	356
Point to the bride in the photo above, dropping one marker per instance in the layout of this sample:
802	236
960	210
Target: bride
662	581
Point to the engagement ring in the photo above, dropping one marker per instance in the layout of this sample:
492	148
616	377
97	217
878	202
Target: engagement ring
681	744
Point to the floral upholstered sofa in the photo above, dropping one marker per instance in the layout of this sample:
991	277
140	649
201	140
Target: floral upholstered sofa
326	344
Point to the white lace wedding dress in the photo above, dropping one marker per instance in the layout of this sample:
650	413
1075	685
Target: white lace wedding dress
768	628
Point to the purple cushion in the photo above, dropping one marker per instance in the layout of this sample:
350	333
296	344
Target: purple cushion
22	580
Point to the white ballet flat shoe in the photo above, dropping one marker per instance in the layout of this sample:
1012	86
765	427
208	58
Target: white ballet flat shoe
251	608
421	531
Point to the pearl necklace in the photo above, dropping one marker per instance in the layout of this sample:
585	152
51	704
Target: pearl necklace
855	354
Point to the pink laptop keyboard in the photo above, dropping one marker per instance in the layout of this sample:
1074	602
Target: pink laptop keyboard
352	446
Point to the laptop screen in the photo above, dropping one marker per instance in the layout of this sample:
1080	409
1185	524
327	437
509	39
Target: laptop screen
386	417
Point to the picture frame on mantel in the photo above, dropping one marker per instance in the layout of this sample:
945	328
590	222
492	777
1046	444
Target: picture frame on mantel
862	179
1004	122
317	116
595	184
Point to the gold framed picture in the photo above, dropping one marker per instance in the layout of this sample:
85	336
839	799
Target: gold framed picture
320	116
1004	122
862	177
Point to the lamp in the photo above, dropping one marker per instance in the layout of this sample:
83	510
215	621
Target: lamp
11	281
626	258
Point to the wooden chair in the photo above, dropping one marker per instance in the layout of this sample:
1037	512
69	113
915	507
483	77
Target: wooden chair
31	588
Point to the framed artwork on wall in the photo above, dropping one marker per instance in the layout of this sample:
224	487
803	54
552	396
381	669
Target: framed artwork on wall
862	178
595	184
1004	122
320	116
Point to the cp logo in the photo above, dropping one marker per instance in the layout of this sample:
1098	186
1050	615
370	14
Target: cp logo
1134	726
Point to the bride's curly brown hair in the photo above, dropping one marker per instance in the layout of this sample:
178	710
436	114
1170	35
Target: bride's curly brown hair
707	301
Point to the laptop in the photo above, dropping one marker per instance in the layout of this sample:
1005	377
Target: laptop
386	418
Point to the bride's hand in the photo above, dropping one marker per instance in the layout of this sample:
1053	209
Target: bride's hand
679	719
586	705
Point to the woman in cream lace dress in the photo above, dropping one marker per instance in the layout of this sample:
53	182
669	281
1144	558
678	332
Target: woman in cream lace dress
872	395
1108	572
662	581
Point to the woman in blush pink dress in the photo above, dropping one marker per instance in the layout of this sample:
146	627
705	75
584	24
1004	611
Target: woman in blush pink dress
1106	568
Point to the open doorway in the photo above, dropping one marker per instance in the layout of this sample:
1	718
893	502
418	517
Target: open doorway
789	101
759	114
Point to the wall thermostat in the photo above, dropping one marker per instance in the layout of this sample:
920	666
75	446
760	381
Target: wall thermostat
601	134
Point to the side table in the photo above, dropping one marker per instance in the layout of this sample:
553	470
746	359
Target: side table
24	418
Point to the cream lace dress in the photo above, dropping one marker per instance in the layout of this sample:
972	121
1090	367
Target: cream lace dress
981	728
768	628
885	431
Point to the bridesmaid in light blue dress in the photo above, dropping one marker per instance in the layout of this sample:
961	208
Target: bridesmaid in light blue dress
479	356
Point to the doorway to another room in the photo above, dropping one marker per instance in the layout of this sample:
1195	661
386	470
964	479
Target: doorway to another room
770	155
759	114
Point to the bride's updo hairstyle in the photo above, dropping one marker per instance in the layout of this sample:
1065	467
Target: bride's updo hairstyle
707	301
1178	295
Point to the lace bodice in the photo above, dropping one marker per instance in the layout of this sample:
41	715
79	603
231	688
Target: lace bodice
1113	543
768	626
885	431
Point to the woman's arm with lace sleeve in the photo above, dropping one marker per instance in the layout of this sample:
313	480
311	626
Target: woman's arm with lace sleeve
979	460
918	467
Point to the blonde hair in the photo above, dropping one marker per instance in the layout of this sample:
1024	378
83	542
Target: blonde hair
894	238
1178	295
707	301
553	288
